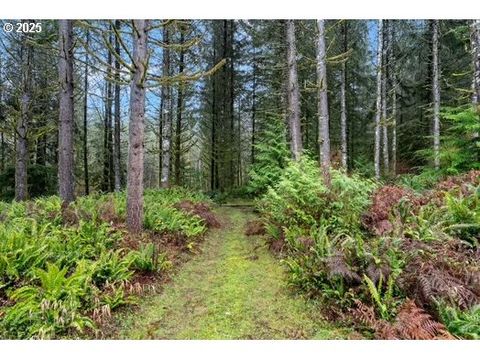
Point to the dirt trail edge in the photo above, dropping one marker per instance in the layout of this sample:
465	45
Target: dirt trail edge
234	289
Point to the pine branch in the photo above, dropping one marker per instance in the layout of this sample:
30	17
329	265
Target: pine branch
179	78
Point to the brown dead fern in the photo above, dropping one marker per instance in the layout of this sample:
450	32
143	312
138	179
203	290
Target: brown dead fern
337	266
411	323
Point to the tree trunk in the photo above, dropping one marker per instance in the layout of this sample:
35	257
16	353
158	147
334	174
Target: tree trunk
213	137
223	139
85	120
136	128
293	94
178	128
2	119
160	135
167	113
117	169
254	104
393	82
378	113
475	47
41	151
229	29
108	176
436	96
2	152
239	150
66	179
213	133
475	39
161	117
386	165
21	162
323	120
213	140
343	102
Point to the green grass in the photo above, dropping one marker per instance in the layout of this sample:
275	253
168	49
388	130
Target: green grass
234	289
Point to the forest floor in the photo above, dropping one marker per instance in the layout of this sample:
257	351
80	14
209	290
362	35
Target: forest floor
233	289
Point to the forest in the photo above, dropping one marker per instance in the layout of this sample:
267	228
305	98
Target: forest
240	179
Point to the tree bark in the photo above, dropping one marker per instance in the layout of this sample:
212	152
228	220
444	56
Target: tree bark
393	82
85	120
161	118
213	132
160	135
223	136
436	96
378	113
385	147
2	152
136	128
323	120
66	178
239	150
117	168
475	47
254	104
229	52
21	161
475	39
2	119
41	143
167	114
108	176
178	128
293	94
343	102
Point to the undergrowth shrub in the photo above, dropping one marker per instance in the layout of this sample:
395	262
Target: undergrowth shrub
161	219
50	307
391	252
148	259
300	198
271	154
411	323
64	268
420	182
322	230
464	324
462	216
460	149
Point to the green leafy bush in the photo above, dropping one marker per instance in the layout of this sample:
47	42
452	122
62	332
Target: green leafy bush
112	266
162	216
454	212
464	324
462	216
424	247
271	156
420	182
300	198
50	307
321	227
163	219
60	267
350	197
148	259
460	149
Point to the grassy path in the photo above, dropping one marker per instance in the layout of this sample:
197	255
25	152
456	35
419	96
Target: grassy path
234	289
